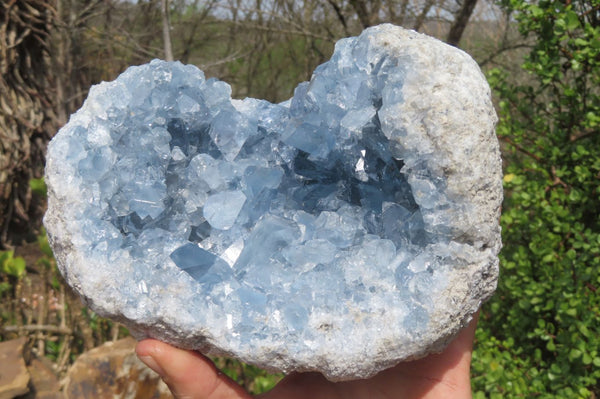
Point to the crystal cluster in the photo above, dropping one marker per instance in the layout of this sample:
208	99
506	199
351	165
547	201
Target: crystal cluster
342	231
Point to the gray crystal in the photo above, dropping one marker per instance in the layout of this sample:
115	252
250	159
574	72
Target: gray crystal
347	229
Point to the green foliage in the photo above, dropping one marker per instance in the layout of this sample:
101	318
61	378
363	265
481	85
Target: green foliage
44	244
47	261
540	335
38	187
4	286
12	271
253	379
11	266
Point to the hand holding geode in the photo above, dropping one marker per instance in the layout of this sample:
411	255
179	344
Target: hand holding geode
343	231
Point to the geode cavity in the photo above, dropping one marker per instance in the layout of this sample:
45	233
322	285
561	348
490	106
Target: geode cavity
347	229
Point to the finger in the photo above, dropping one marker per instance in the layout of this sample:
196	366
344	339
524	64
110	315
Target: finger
461	348
454	361
188	374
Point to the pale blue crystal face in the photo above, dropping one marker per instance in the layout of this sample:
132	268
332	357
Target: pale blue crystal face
284	209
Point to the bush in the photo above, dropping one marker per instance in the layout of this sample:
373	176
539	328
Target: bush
540	335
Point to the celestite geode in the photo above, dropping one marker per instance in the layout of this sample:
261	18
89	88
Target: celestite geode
347	229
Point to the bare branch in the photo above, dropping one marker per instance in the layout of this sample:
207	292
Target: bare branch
339	14
360	7
461	19
166	27
37	327
421	18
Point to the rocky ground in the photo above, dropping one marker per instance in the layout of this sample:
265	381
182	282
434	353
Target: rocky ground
109	371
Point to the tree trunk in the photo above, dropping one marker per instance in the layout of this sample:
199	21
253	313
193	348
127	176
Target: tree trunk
461	20
166	30
360	7
422	15
25	112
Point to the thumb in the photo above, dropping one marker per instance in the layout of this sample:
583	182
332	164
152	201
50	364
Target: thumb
188	374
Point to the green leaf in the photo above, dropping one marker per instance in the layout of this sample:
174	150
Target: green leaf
5	286
586	359
5	256
44	245
584	330
38	186
16	267
584	392
574	354
536	11
572	20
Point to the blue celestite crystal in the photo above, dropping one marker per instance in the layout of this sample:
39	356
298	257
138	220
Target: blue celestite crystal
277	220
299	185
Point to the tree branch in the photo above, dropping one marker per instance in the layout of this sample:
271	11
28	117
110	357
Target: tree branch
36	327
166	30
460	22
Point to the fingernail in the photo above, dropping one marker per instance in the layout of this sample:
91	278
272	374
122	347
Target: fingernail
150	362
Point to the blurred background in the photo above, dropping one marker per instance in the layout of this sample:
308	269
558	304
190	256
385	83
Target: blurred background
538	337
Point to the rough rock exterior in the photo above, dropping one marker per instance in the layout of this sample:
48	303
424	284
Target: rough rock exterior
348	229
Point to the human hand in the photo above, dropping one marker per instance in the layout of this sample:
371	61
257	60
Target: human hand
191	375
